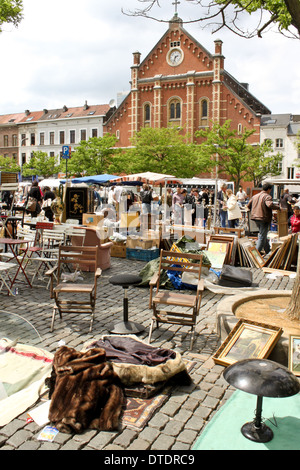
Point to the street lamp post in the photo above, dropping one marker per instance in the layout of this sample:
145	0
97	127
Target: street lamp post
20	158
216	185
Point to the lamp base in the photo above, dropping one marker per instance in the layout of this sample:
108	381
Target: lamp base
126	328
257	434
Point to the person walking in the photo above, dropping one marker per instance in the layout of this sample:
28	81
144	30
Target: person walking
35	193
178	198
146	197
261	206
222	199
233	209
49	197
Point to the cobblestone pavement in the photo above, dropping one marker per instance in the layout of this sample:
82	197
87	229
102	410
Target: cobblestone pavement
181	419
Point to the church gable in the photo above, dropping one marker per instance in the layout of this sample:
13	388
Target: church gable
181	84
174	54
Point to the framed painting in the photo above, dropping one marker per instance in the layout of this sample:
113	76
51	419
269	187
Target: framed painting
258	259
247	340
294	354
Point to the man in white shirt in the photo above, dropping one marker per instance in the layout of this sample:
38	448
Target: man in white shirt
117	198
241	196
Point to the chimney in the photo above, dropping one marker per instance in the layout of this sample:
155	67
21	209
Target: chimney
65	108
85	106
218	47
45	111
27	112
136	58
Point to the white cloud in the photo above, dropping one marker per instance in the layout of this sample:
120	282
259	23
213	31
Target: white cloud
69	51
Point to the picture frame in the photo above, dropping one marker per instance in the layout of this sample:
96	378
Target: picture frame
294	354
258	259
247	340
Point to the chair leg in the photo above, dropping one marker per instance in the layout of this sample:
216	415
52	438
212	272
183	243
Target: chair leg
192	337
53	319
92	321
150	331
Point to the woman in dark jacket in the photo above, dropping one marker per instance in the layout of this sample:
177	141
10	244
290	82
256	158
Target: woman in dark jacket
48	194
36	193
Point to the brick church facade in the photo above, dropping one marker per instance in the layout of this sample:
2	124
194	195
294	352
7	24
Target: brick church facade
181	84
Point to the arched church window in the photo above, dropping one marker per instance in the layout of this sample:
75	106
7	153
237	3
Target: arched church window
147	112
175	109
147	115
204	111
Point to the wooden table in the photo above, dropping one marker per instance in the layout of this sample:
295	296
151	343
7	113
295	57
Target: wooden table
13	245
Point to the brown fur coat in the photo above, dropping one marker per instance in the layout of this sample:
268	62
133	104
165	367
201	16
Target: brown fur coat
85	392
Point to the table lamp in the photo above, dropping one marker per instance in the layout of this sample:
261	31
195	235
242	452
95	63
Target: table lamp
263	378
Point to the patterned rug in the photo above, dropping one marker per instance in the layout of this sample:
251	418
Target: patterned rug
138	411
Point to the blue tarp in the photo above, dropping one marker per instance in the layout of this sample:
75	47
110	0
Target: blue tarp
96	179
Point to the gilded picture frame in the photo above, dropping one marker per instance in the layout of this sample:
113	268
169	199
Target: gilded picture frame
247	340
257	256
294	354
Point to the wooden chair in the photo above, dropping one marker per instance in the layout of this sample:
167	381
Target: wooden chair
188	303
74	297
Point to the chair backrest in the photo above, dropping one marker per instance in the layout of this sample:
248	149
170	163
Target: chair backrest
24	234
182	262
44	226
52	238
77	256
72	222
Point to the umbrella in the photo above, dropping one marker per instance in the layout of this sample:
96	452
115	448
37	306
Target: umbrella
148	177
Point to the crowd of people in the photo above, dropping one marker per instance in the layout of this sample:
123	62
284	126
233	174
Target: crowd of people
182	205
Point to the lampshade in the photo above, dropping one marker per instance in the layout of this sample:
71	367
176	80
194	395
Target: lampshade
263	378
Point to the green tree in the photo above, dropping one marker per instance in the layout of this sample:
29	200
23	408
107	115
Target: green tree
94	156
10	12
9	164
163	150
263	163
235	156
41	164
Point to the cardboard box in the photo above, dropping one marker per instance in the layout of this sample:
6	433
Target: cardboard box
140	243
130	219
118	250
90	219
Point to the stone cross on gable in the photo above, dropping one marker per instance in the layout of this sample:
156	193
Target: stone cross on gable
176	3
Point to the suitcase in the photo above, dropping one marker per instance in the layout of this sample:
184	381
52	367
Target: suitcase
232	276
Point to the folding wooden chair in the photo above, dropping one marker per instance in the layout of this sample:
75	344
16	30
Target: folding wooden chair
188	303
76	296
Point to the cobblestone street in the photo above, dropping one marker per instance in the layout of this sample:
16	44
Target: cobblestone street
180	420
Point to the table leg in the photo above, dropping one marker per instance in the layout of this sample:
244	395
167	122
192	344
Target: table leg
20	266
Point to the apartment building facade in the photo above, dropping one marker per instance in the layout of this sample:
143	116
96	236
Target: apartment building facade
48	130
284	132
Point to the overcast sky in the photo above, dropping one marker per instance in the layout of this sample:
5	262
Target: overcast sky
67	51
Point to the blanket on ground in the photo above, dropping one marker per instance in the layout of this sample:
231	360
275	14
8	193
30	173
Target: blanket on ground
23	370
85	392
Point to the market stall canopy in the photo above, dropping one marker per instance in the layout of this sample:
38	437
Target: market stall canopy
51	182
148	177
95	179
